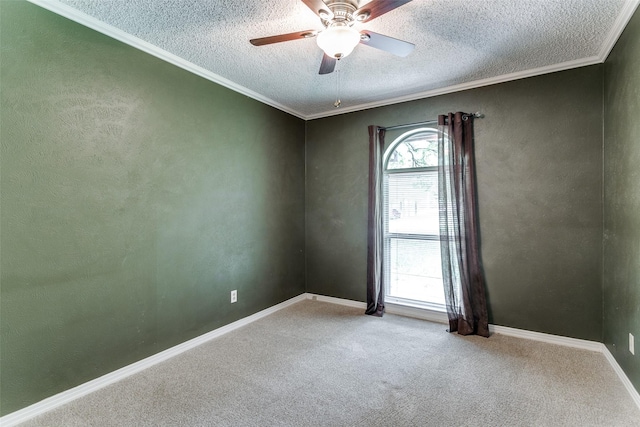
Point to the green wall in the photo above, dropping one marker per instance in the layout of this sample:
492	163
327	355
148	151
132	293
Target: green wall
134	197
622	199
539	166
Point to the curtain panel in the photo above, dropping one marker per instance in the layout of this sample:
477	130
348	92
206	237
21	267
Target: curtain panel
375	291
462	274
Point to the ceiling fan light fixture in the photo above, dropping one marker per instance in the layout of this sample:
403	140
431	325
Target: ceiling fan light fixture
323	14
338	40
363	16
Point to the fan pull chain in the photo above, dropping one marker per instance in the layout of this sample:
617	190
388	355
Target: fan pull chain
338	102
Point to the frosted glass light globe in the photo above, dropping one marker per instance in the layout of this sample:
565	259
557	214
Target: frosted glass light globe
338	41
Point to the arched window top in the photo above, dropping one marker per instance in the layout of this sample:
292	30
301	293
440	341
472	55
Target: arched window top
414	149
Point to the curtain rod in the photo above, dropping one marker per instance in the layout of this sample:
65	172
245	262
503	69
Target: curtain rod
477	115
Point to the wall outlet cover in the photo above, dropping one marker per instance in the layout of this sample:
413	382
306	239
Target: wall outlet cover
632	345
234	296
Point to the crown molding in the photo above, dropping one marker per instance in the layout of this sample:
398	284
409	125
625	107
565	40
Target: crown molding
621	22
464	86
614	34
619	25
113	32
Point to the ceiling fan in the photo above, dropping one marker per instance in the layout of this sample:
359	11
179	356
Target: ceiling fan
339	37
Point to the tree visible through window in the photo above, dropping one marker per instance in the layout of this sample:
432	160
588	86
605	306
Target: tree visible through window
413	271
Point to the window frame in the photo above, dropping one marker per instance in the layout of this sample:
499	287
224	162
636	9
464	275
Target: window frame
387	236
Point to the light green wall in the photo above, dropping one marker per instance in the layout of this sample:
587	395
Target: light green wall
622	199
539	167
134	197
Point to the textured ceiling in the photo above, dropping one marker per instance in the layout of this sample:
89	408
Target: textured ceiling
459	44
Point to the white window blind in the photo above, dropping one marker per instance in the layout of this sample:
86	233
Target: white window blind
413	268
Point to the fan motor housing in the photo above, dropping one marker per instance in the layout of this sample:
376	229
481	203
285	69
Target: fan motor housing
343	12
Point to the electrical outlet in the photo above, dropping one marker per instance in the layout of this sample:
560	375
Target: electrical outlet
234	296
632	345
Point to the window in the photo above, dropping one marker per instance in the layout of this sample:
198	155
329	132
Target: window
413	271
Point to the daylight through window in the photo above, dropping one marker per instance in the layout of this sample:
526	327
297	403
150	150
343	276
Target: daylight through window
413	271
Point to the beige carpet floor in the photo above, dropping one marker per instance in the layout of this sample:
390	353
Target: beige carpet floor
319	364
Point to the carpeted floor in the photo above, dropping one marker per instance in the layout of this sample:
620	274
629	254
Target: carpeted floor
319	364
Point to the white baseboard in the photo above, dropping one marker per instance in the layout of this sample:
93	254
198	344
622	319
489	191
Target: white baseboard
338	301
575	343
439	317
401	310
623	377
548	338
67	396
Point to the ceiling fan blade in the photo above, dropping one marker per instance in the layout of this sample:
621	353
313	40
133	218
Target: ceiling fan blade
386	43
319	8
327	65
375	8
284	37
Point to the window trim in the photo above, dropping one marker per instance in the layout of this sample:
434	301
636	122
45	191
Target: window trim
418	304
423	305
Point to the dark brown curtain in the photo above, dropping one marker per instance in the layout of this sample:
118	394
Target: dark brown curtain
375	292
464	285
